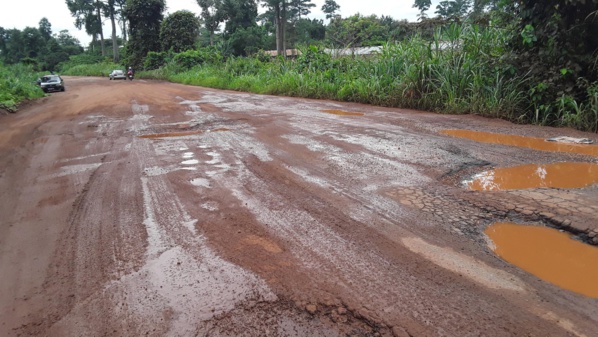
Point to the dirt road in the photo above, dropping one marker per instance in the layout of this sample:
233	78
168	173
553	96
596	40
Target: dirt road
150	208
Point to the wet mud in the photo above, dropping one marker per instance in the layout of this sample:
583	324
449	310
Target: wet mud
127	212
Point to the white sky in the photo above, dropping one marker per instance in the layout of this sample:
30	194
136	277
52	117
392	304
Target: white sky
27	13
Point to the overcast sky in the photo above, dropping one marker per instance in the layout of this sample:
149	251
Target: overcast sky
27	13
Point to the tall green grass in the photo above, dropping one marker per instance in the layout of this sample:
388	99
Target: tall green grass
460	71
17	84
97	69
463	69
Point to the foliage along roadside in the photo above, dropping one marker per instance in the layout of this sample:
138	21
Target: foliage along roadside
463	69
17	84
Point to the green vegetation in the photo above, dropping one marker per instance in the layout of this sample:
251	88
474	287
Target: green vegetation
526	61
17	84
457	72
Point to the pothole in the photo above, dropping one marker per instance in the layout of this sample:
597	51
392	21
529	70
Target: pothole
342	113
522	141
556	175
548	254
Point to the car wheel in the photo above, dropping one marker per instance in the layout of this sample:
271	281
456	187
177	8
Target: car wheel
62	89
110	78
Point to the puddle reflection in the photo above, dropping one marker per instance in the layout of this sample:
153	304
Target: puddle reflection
521	141
549	255
556	175
342	113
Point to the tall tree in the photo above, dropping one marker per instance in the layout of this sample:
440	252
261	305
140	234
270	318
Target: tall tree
85	17
241	32
45	29
179	31
145	18
33	42
238	14
120	10
98	7
110	11
453	8
210	13
423	6
280	11
330	7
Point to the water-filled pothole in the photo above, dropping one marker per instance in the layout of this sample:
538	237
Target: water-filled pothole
343	113
548	254
521	141
556	175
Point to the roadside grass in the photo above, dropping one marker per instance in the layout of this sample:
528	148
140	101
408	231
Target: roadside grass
97	69
464	69
17	84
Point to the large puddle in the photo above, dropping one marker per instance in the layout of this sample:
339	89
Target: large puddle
549	255
342	113
556	175
521	141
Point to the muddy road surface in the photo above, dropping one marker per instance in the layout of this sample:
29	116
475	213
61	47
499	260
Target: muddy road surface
149	208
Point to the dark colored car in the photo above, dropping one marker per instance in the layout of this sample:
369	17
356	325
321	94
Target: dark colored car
51	83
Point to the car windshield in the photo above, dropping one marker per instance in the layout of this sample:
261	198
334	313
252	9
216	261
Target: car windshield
50	79
118	72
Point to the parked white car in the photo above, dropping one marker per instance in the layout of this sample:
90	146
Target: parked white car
117	75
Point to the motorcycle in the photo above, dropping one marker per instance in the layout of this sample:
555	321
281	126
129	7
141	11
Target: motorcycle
130	75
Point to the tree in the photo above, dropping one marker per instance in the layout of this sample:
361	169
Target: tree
85	17
98	8
52	55
423	6
279	11
179	31
110	11
309	31
556	47
145	18
120	10
453	8
356	31
330	7
33	42
211	16
238	14
45	29
65	39
12	51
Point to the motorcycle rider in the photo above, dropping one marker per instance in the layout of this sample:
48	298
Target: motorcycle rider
130	71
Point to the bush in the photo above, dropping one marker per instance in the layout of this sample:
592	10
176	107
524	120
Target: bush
189	59
17	84
155	60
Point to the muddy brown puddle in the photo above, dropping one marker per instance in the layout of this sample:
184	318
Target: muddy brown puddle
342	113
555	175
522	141
548	254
